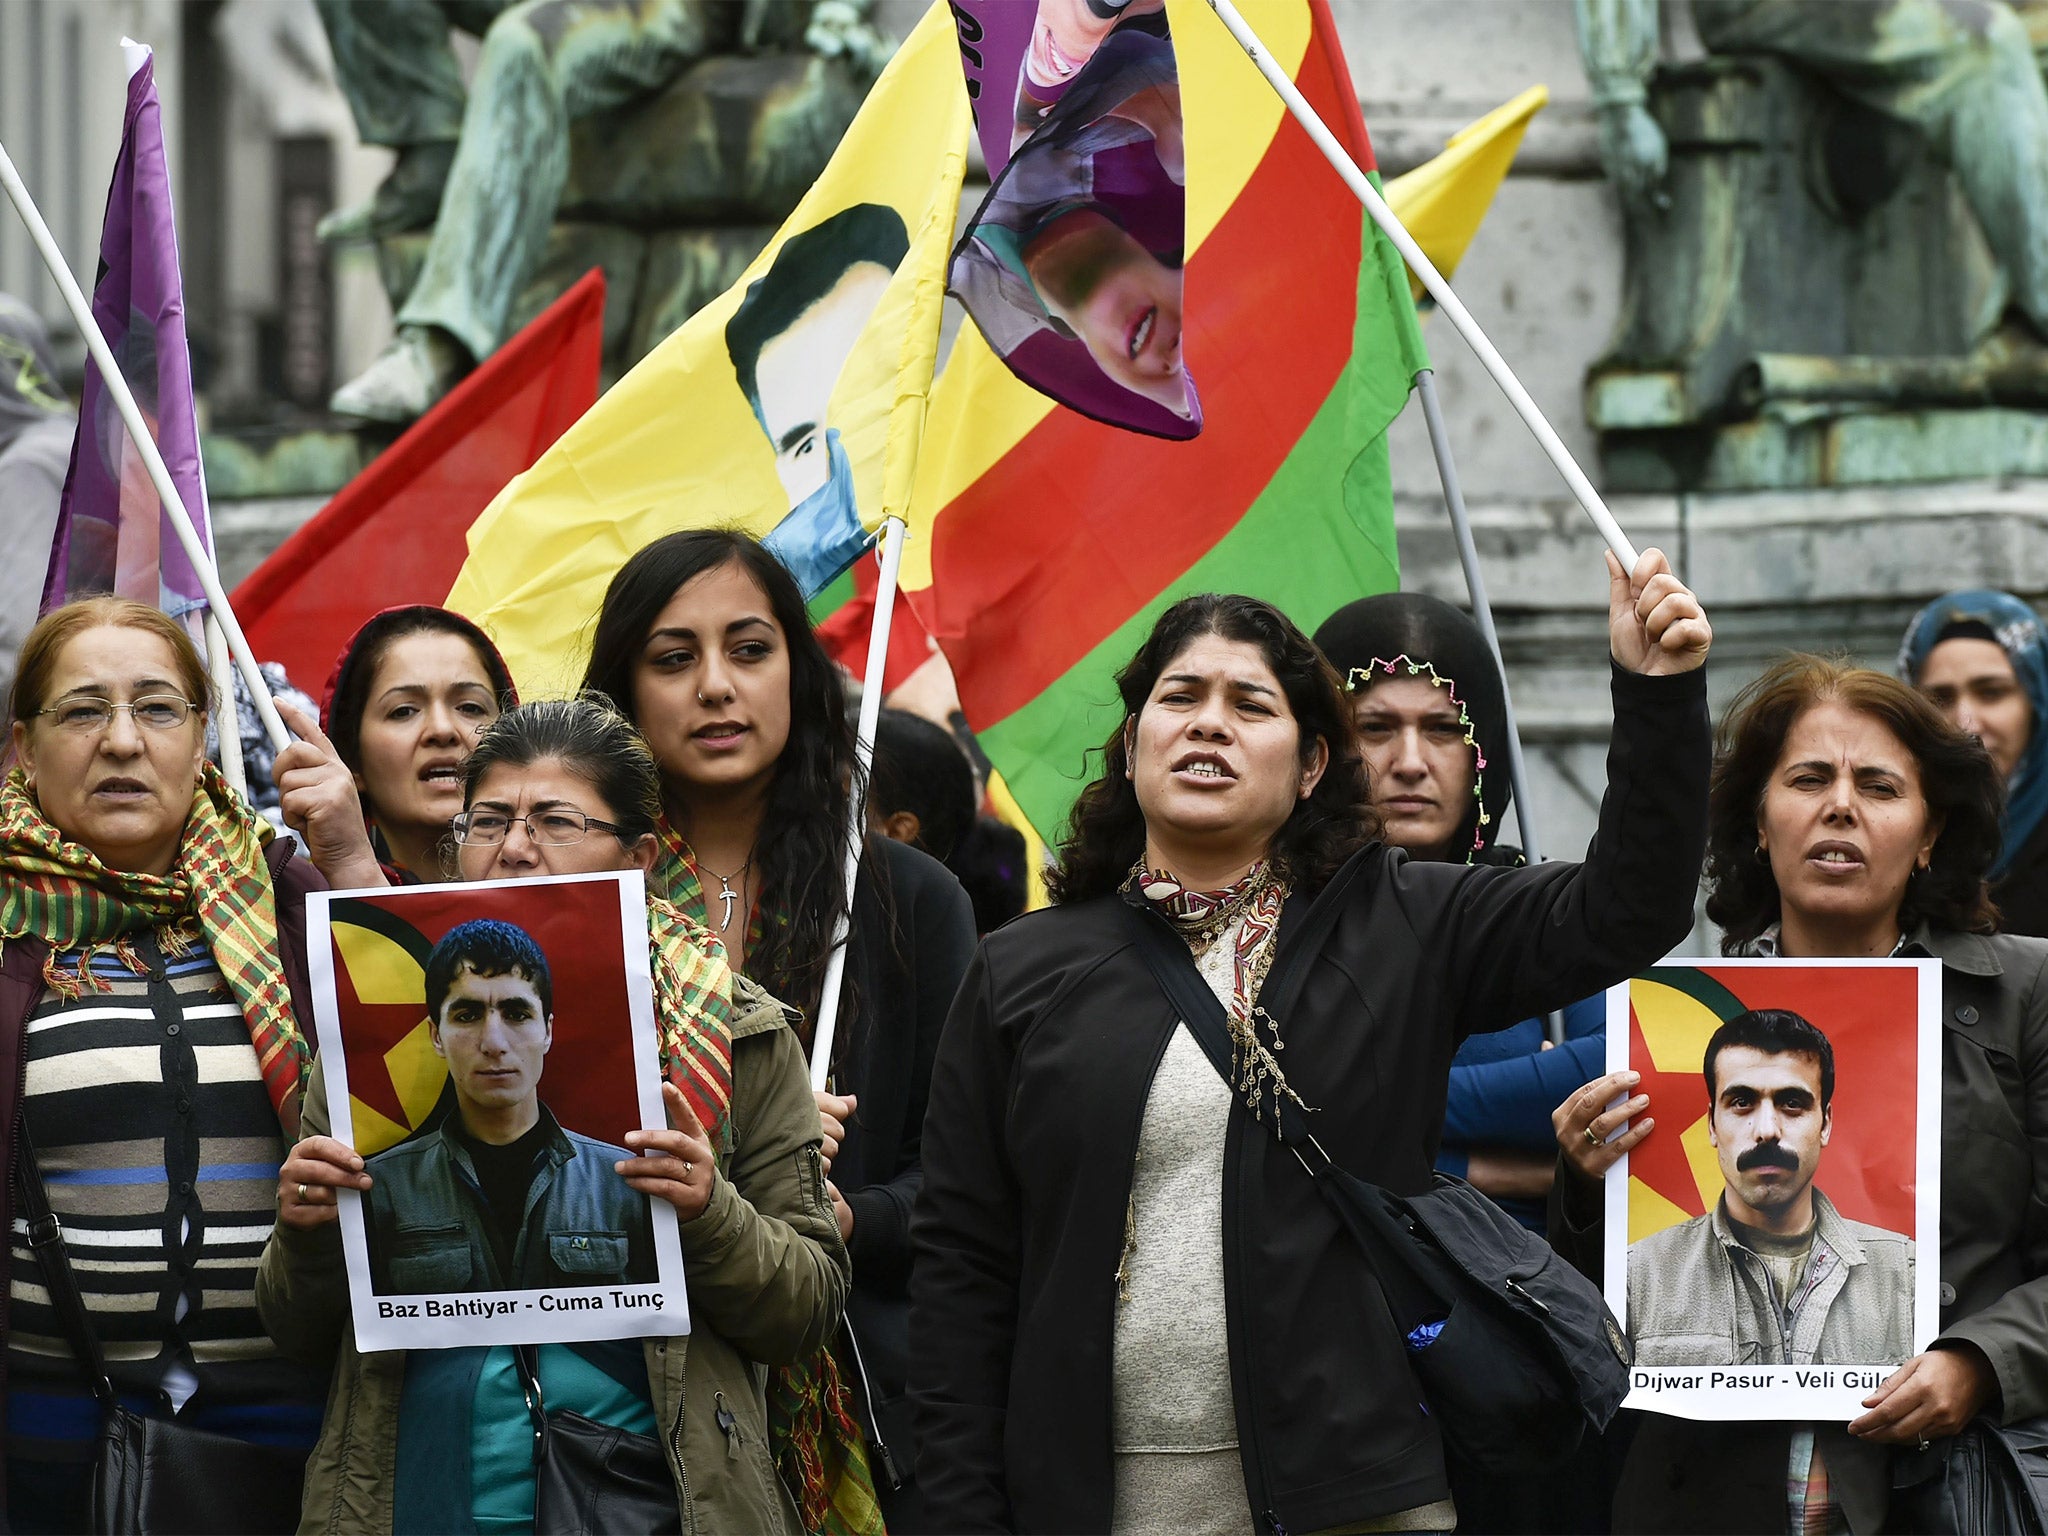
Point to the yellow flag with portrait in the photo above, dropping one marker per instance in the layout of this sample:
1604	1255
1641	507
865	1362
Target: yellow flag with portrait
792	405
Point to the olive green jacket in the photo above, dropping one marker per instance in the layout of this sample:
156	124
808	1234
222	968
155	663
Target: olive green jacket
767	1279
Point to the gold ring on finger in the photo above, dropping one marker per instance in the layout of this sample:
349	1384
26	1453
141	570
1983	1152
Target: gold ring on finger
688	1169
302	1195
1592	1137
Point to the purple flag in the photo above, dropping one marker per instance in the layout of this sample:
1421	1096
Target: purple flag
1071	267
113	533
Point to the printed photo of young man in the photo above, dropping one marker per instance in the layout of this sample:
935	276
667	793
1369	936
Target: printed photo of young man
1773	1274
499	1195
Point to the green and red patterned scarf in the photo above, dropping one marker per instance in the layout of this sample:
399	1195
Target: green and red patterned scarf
818	1444
57	891
693	1004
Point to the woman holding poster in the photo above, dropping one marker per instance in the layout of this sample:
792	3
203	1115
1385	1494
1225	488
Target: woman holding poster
704	642
156	1012
1132	1310
1849	819
557	788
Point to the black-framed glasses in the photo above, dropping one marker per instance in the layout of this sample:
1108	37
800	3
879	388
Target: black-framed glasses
487	829
89	716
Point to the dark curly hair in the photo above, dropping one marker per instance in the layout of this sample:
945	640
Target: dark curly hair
1106	833
1957	779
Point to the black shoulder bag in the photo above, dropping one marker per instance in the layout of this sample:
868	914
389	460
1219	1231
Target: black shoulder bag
590	1478
1515	1352
155	1476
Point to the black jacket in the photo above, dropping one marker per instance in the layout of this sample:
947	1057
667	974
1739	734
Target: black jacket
913	934
1040	1088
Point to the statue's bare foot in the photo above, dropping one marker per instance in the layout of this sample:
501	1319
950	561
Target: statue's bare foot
408	199
420	365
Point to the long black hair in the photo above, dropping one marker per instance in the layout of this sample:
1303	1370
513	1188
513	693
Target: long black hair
800	850
1106	834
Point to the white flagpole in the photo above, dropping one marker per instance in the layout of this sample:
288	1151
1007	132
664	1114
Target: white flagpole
227	720
893	533
1433	280
159	473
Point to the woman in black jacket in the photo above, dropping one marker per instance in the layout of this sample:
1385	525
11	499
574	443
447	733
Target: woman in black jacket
1130	1310
704	643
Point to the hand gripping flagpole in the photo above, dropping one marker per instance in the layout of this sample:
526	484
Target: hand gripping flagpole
145	444
893	533
1431	279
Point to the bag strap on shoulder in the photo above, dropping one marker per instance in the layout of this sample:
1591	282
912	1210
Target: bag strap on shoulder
46	1240
1173	967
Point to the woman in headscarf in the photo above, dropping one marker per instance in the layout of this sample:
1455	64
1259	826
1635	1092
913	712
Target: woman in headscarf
1431	711
1432	727
408	697
154	1036
1982	658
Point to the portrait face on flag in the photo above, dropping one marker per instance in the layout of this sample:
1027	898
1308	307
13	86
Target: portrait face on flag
487	1047
789	339
1072	266
1764	1241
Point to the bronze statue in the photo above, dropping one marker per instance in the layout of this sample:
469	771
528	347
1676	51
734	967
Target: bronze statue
1807	299
488	169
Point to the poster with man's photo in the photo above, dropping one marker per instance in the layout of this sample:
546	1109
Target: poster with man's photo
1763	1242
487	1048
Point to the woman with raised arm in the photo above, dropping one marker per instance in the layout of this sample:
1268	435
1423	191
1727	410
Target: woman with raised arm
408	695
442	1440
1131	1309
155	1030
1850	820
704	642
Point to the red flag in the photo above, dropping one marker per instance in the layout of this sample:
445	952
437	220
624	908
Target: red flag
395	533
845	633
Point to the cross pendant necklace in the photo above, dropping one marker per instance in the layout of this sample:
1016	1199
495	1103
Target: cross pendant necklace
726	893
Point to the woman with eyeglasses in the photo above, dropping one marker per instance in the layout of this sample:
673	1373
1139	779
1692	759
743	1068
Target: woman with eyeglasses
704	642
408	696
442	1440
155	1018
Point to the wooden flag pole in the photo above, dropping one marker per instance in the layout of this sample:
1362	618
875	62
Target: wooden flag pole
1431	279
893	534
145	444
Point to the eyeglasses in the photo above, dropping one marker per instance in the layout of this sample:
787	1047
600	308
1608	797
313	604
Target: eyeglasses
487	829
155	712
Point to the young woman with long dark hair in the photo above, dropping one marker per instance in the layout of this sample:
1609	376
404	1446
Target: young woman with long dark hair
1132	1311
704	642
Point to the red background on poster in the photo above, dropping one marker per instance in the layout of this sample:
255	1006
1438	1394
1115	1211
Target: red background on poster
1870	1016
588	1079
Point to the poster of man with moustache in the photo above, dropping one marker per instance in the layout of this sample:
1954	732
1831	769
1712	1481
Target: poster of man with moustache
1770	1235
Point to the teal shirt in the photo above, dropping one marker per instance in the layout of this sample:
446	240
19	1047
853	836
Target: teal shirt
482	1482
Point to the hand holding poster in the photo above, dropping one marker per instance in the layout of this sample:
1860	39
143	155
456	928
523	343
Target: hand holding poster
488	1047
1763	1239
